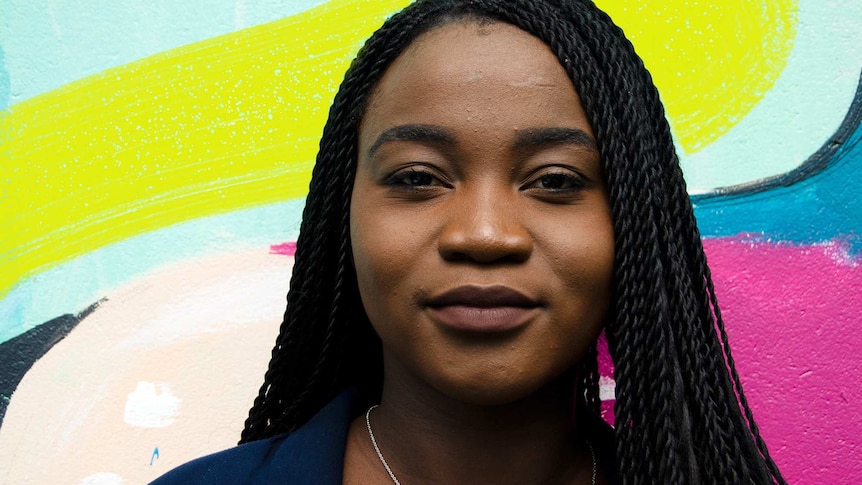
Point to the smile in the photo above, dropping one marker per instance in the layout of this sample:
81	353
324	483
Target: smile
474	308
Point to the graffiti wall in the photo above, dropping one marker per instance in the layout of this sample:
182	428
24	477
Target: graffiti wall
153	162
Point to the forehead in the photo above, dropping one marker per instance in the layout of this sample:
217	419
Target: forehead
468	51
468	41
448	68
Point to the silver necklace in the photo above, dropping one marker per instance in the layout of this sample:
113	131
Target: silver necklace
395	480
377	448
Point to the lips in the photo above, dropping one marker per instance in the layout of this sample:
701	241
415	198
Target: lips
474	308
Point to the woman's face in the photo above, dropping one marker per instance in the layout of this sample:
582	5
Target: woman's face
481	231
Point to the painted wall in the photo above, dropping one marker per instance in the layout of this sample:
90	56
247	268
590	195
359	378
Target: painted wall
153	160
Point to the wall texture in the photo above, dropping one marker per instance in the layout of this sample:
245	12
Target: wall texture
153	160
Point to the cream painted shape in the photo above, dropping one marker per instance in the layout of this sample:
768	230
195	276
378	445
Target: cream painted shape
171	361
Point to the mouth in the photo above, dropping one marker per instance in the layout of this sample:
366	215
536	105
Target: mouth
474	308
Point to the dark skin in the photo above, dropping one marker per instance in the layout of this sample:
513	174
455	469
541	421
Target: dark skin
483	244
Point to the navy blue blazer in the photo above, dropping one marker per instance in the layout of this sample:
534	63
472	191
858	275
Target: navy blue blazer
314	454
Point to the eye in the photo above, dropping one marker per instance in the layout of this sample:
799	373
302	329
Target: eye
558	181
411	178
415	179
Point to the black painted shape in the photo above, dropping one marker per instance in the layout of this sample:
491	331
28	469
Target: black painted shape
816	163
18	354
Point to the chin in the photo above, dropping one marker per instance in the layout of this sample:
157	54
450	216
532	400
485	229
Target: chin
488	391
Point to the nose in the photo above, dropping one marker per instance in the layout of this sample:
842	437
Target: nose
485	228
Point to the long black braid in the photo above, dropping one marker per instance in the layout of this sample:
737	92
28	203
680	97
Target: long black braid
681	415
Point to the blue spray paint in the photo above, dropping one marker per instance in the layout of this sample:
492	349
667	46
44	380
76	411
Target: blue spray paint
817	203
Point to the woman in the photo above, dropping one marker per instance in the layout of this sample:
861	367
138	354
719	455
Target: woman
496	183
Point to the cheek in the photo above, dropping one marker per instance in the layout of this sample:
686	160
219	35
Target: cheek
370	257
583	262
384	282
383	257
599	266
373	252
595	263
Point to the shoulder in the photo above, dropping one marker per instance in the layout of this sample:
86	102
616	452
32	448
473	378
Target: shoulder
312	454
248	463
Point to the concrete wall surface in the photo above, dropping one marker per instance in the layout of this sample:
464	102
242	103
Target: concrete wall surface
154	156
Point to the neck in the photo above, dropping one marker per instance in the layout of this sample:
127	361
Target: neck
427	436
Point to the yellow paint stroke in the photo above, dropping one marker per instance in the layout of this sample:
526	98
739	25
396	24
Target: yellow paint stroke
227	123
712	61
234	121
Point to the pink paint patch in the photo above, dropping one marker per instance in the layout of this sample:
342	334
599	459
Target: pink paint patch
606	370
792	313
286	249
606	364
607	411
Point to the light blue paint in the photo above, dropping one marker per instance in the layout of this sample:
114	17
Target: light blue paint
802	110
824	207
4	81
77	284
49	43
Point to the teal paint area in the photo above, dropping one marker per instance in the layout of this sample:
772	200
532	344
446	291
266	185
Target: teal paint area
819	202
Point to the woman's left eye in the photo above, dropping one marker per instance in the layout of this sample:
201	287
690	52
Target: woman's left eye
557	182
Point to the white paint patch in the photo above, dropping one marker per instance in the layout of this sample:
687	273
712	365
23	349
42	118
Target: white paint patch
147	408
840	253
607	388
103	479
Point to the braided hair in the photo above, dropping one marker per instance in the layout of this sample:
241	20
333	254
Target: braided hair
681	415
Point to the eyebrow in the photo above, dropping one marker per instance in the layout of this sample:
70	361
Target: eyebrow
416	133
538	137
528	138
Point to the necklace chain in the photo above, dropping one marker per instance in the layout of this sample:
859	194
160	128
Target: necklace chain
377	448
395	480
